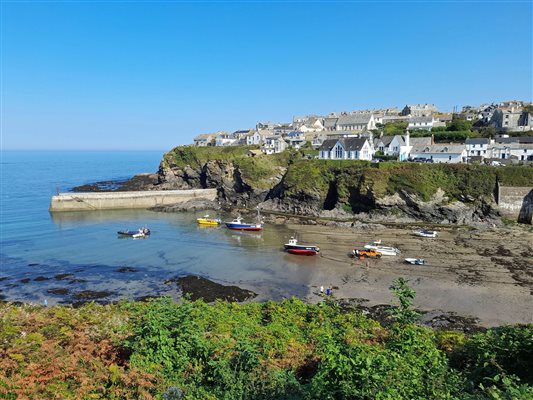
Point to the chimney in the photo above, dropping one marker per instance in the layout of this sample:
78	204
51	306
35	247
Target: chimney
407	138
432	138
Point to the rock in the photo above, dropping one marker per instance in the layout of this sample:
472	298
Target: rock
197	287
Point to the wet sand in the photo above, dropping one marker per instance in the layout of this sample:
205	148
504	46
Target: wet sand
484	273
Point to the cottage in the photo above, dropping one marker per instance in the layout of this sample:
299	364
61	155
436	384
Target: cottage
312	124
255	138
440	153
295	139
351	148
511	151
274	144
421	123
356	122
204	140
477	147
225	139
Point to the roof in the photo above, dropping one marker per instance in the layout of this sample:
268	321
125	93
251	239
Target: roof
354	119
204	136
413	120
349	144
521	139
477	141
385	140
330	122
420	141
256	152
445	148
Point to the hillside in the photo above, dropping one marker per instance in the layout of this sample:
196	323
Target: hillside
293	182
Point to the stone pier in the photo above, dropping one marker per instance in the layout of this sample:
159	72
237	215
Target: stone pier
126	200
516	203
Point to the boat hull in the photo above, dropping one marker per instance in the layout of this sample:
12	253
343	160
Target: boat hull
303	252
208	222
385	251
132	233
244	227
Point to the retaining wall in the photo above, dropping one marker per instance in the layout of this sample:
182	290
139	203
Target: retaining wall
126	200
516	202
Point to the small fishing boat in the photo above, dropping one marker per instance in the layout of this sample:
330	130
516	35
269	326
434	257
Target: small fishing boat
205	220
425	233
366	253
415	261
141	232
238	225
294	248
384	250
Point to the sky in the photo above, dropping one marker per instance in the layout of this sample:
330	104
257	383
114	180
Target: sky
133	75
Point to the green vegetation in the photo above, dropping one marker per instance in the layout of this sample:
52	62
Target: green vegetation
272	350
182	156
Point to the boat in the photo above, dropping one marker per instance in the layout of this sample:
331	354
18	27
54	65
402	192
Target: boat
426	233
384	250
415	261
205	220
294	248
141	232
238	225
367	253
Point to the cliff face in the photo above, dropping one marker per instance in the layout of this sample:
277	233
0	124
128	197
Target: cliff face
402	192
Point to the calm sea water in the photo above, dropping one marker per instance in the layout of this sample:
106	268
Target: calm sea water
38	248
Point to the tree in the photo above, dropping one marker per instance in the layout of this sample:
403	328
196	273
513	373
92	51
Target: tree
459	124
403	313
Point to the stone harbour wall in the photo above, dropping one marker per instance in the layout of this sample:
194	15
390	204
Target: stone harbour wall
516	202
126	200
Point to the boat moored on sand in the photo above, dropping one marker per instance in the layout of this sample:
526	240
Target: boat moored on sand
425	233
384	250
301	249
415	261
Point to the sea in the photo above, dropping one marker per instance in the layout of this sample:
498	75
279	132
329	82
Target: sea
50	258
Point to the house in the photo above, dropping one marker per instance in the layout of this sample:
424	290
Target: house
255	137
400	145
419	110
282	129
295	139
204	140
440	153
511	151
313	124
385	119
512	119
274	144
253	153
352	148
421	123
477	147
356	122
330	123
225	139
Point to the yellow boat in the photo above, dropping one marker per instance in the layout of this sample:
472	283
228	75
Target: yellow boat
208	221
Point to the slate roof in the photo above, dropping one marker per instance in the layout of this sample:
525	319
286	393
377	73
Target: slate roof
521	139
330	122
413	120
477	141
439	148
420	141
349	144
354	119
385	139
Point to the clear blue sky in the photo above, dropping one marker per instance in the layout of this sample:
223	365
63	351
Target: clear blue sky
152	75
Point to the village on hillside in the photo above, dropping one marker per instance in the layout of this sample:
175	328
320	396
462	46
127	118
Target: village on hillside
496	134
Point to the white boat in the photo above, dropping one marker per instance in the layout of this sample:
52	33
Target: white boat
415	261
384	250
426	233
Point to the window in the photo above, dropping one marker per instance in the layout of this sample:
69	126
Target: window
450	158
338	152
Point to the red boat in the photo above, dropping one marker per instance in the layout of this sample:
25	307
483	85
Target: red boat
294	248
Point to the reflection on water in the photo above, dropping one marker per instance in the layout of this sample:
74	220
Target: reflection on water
85	245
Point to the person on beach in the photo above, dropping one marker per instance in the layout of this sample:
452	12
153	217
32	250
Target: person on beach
321	290
328	291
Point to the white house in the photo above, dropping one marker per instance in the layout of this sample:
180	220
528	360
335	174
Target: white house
356	122
424	123
478	147
440	153
351	148
225	139
254	138
399	145
513	150
274	144
204	140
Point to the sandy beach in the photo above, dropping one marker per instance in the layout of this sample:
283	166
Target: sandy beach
483	273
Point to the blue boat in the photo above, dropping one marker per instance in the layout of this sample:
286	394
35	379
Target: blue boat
238	225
